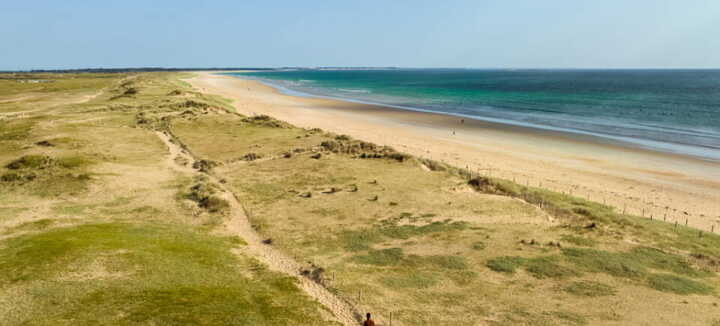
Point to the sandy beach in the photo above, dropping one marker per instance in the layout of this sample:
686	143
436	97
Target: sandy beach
642	182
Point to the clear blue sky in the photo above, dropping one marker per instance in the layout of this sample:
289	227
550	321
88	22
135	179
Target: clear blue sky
405	33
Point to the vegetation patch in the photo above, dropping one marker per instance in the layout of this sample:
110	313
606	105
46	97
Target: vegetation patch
677	284
169	275
16	129
505	264
420	280
383	257
448	262
632	264
578	240
37	162
548	267
479	245
589	289
204	193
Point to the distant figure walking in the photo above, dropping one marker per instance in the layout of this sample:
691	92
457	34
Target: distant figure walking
462	121
369	321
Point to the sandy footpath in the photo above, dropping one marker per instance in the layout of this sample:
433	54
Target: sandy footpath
669	186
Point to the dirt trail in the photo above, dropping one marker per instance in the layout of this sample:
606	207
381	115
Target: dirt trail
239	224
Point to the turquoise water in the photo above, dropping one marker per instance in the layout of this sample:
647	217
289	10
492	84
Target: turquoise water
668	110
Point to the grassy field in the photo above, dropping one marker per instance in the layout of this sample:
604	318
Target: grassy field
97	228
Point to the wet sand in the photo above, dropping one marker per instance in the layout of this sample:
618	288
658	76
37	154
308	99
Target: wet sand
662	185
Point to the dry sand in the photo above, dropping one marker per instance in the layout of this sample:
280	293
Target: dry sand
661	185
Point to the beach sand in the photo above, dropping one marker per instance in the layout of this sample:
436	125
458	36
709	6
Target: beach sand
643	182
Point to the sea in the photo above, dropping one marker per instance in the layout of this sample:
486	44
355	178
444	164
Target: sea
675	111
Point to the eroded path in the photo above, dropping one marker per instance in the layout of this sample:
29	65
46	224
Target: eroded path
181	160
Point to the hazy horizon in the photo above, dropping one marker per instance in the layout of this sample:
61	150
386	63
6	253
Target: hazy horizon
563	34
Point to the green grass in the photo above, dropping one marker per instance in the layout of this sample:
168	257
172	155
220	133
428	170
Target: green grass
578	240
407	231
631	264
383	257
363	239
479	245
617	265
448	262
539	267
31	162
16	129
548	267
677	284
505	264
167	275
589	289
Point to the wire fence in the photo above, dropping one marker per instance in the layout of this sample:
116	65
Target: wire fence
622	203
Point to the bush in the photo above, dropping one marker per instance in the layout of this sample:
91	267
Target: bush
30	162
214	204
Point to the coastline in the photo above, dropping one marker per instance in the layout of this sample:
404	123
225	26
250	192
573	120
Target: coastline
679	149
641	181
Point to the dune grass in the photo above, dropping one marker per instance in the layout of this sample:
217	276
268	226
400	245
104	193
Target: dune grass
105	234
122	273
92	230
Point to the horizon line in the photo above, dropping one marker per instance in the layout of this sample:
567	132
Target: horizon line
151	68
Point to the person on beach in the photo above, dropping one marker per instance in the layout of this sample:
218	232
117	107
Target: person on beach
369	321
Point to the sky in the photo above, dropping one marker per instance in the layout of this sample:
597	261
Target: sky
54	34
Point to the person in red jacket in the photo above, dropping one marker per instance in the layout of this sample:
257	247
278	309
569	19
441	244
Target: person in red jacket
369	321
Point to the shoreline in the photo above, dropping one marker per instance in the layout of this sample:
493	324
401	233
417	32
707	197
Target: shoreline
622	141
641	181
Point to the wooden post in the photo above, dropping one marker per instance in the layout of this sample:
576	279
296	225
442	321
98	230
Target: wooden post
624	207
686	221
643	212
675	225
665	217
712	228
